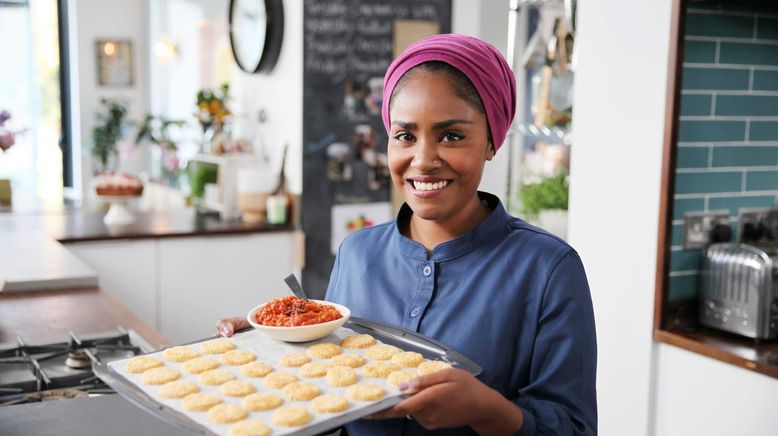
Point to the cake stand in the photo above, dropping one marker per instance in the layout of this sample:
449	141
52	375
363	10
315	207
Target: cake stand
118	214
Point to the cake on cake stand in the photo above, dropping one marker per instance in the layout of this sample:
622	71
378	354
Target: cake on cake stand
118	213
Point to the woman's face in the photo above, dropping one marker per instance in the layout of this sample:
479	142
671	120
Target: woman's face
437	146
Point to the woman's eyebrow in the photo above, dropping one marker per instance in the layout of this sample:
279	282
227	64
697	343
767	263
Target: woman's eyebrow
405	125
448	123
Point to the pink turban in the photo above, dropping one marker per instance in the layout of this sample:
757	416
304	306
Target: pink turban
479	61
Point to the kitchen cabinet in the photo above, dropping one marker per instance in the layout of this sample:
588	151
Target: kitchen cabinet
127	269
207	278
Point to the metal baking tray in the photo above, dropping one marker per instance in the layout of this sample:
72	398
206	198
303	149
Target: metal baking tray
405	339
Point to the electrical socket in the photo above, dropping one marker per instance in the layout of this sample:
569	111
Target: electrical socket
698	225
758	225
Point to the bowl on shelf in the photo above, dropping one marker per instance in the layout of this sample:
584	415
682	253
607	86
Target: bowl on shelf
302	333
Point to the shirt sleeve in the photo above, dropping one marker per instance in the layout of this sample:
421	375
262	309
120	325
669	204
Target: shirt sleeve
561	396
332	287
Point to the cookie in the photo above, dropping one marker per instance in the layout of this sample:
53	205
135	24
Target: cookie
216	346
314	369
379	369
407	359
429	366
365	392
290	416
261	401
279	379
179	354
237	388
215	377
198	365
301	391
226	413
341	376
352	360
139	364
249	427
399	377
323	351
237	357
178	389
200	401
357	341
382	351
330	403
159	376
256	369
294	360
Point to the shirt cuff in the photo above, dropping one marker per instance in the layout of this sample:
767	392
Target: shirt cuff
528	427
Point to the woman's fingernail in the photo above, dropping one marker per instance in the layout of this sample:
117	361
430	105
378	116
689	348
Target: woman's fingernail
226	330
403	386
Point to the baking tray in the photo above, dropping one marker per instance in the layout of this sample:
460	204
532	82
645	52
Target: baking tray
405	339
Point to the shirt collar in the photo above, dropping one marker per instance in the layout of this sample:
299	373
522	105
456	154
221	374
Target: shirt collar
492	228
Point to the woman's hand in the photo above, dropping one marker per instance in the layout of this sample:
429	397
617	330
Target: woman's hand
228	326
455	398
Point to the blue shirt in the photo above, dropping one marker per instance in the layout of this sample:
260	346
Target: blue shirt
509	296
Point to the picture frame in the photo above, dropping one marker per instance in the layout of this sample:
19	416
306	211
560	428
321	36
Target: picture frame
114	62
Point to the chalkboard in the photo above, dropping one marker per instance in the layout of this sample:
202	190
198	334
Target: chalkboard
347	47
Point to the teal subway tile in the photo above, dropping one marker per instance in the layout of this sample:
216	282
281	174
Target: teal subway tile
735	203
676	235
763	131
715	5
744	156
767	28
682	206
747	105
694	131
759	6
732	26
699	51
766	80
685	260
698	183
695	104
762	180
691	157
684	286
748	53
715	78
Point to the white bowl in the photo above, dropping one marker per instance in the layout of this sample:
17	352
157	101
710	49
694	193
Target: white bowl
301	333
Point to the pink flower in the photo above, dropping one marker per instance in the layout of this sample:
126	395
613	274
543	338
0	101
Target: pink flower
6	140
170	161
4	116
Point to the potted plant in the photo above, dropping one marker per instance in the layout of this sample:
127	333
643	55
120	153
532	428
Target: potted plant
212	113
156	131
544	201
110	129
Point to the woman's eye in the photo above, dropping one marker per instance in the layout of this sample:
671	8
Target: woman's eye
452	136
403	136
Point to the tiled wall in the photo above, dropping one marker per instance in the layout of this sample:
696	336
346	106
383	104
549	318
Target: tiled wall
728	133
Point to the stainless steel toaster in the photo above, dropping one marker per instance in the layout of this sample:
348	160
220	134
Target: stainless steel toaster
740	290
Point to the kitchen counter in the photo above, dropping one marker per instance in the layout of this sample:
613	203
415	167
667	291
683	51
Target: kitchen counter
77	226
50	315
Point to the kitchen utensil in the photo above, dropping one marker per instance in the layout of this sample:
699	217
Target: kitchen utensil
547	72
294	285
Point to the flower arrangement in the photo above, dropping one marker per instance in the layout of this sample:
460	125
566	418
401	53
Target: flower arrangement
7	136
212	108
156	130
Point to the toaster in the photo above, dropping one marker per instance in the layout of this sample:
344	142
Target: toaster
740	289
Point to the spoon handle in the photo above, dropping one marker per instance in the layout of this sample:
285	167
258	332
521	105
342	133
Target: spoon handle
294	285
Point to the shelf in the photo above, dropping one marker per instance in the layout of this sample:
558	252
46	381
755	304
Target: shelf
551	133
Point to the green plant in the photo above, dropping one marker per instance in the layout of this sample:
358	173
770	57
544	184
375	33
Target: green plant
156	130
110	129
548	193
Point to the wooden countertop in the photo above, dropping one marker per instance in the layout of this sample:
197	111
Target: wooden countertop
50	315
77	226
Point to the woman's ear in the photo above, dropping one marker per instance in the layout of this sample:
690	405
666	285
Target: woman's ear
490	152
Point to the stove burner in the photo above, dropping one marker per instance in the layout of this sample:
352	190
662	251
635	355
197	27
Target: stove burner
78	360
35	372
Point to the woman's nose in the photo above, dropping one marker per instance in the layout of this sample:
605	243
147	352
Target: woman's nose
425	156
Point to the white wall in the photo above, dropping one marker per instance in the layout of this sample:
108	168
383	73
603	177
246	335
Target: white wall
614	192
115	19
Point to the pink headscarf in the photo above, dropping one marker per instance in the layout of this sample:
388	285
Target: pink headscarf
483	64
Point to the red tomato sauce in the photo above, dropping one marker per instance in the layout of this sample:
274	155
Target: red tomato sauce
291	312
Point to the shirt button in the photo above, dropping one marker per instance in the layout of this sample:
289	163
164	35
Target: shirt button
415	312
427	271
